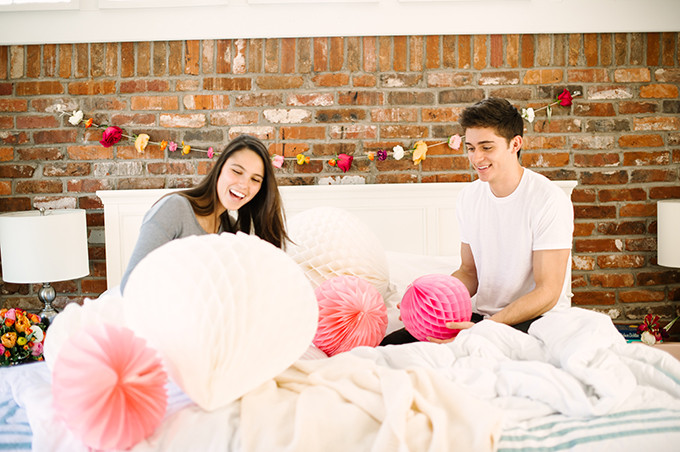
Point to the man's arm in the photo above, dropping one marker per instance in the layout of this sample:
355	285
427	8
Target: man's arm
549	268
467	273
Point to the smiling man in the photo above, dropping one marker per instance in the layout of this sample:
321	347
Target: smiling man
516	227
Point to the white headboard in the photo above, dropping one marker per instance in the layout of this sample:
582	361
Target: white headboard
410	218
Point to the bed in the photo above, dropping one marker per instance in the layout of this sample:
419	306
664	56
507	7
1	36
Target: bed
572	384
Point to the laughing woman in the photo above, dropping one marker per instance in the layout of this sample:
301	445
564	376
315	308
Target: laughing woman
239	194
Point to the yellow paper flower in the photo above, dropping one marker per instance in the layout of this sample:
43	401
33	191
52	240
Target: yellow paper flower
419	152
185	148
141	141
300	159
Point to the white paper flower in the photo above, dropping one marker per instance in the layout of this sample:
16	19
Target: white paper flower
648	338
528	114
76	117
39	335
398	152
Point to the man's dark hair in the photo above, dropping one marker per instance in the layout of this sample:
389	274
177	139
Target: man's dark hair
497	114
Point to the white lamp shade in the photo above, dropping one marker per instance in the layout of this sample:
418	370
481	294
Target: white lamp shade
668	232
39	248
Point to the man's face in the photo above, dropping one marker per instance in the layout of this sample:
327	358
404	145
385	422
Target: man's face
491	155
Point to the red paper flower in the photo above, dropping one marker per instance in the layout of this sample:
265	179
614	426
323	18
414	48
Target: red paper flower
565	98
111	136
344	162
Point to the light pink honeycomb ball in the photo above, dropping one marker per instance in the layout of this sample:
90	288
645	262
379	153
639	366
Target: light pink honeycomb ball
430	302
352	313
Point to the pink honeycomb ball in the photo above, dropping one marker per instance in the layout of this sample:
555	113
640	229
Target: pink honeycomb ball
430	302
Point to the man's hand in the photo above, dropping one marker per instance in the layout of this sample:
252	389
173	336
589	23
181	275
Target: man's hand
452	326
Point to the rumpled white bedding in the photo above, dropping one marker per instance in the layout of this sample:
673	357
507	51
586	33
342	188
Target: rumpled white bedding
490	381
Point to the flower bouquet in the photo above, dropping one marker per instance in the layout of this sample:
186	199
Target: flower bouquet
22	335
651	332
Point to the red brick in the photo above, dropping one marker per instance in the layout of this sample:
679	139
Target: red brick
594	212
643	244
35	153
82	60
38	186
255	55
416	53
277	82
658	278
590	49
545	160
223	56
464	52
659	91
606	49
664	192
6	154
13	105
54	136
91	88
330	80
205	102
449	114
353	132
527	54
37	122
95	152
170	168
632	75
637	210
134	120
597	245
370	54
192	57
598	75
646	158
653	49
583	229
595	160
16	171
594	109
127	59
612	279
271	55
14	138
667	75
400	53
641	296
302	133
363	81
325	149
384	53
162	103
499	78
39	88
591	298
634	107
4	70
622	194
542	76
320	46
340	115
258	100
141	86
620	261
640	141
496	45
403	131
558	126
353	44
535	142
229	118
288	55
240	83
653	175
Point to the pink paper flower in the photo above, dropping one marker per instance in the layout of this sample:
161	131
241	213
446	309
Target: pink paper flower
345	162
455	141
111	136
37	349
11	314
277	161
382	155
211	152
172	146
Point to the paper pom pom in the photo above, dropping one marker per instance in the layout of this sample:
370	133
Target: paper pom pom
430	302
329	242
109	387
74	318
351	314
227	313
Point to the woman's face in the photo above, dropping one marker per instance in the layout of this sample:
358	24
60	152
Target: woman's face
240	179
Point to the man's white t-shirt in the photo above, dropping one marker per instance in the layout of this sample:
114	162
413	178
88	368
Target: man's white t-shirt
503	233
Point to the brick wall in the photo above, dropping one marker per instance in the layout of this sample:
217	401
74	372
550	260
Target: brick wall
324	96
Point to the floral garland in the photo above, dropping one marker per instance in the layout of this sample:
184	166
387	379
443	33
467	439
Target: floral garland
22	335
113	134
564	99
651	332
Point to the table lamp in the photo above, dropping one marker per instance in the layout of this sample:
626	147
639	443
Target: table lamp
44	247
668	232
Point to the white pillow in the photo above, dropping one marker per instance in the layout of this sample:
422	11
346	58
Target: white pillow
330	242
226	312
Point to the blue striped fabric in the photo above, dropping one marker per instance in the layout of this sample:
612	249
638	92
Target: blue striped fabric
557	433
15	432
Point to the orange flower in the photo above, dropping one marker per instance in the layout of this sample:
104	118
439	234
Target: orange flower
332	162
88	123
164	144
371	155
22	324
185	148
9	339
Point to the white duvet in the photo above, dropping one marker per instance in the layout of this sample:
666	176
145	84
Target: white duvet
487	390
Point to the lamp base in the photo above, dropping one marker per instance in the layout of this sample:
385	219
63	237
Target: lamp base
47	294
